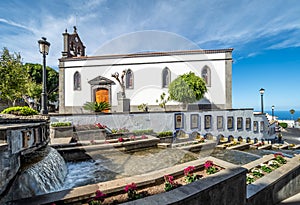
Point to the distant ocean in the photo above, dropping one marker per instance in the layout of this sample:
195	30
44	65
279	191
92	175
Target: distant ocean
285	115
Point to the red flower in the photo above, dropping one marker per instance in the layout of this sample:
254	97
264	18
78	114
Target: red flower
120	139
278	154
169	178
130	187
99	195
189	170
208	164
144	137
100	126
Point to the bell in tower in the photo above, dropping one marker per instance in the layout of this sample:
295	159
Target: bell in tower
73	46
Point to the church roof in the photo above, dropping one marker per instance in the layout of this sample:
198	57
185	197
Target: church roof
151	54
100	80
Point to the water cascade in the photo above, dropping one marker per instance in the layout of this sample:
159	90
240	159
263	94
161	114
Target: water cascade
47	175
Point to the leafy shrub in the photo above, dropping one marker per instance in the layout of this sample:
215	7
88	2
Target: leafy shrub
142	132
266	169
143	107
283	124
97	106
60	124
119	130
280	158
18	110
165	134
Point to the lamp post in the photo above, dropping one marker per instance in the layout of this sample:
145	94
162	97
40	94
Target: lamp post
262	91
44	50
273	112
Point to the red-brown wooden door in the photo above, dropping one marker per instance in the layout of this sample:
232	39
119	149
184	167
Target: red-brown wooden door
102	96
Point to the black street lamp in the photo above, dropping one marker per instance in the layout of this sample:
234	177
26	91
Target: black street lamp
44	49
262	91
273	112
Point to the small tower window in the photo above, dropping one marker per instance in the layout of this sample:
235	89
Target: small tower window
166	77
206	75
129	79
77	81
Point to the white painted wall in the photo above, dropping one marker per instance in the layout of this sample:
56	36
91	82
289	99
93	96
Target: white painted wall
147	77
160	121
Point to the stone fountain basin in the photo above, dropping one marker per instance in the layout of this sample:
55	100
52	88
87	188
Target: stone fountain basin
77	151
220	182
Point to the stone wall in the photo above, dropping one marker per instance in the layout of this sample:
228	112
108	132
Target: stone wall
219	189
278	185
165	121
9	166
19	136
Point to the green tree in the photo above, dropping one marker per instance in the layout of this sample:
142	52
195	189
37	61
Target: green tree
187	88
163	100
292	111
35	71
19	81
13	83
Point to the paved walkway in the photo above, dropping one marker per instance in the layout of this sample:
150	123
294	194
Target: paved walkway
291	135
294	200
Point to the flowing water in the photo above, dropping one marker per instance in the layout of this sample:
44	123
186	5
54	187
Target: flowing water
52	174
109	166
235	156
44	176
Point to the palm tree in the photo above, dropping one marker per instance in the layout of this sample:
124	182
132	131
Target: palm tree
292	111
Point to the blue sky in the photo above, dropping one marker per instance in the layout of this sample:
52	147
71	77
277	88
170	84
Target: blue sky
265	35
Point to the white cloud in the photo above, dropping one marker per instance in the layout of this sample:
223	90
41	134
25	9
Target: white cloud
214	23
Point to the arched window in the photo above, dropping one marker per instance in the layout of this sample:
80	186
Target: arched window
129	79
206	75
77	81
166	77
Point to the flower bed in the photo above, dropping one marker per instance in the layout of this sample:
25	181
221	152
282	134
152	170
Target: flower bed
265	168
132	192
118	140
218	187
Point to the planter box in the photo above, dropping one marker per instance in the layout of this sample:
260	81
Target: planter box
276	186
242	146
168	139
61	135
89	135
117	135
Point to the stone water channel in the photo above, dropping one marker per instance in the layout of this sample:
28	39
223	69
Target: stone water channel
107	165
104	165
114	164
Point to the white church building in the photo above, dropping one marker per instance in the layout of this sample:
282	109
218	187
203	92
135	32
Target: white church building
146	76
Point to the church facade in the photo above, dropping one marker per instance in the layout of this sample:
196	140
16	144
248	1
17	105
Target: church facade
142	76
